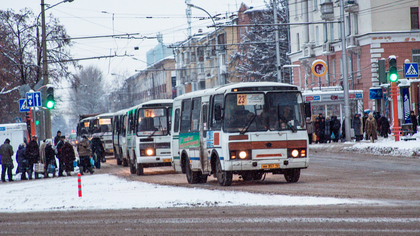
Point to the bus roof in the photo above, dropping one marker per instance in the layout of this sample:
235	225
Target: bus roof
230	87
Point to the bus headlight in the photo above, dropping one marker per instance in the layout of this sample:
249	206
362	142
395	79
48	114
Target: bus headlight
295	153
242	155
149	152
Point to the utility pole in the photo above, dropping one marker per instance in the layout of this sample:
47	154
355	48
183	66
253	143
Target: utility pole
45	128
277	41
345	79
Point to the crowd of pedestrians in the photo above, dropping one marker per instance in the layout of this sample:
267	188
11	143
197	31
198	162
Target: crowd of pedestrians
30	154
368	126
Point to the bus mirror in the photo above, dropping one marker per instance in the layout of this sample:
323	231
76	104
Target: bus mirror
217	112
308	112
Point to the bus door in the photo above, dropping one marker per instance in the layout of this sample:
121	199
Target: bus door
203	135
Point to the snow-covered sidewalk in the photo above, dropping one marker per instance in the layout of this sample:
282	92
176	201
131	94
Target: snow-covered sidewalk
105	191
382	146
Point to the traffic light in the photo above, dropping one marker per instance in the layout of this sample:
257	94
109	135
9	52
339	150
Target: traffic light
393	74
50	98
28	122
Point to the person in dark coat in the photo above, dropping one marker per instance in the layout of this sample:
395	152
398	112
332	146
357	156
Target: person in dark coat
49	158
21	160
413	121
57	138
365	116
6	153
59	152
67	157
85	152
327	132
335	128
32	154
322	130
98	150
357	125
343	131
384	123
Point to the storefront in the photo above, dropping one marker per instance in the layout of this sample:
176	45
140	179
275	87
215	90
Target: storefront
331	103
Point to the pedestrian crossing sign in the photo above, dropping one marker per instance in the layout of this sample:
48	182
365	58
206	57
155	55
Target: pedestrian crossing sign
411	70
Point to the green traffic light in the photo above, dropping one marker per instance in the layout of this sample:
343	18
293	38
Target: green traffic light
37	122
393	77
50	104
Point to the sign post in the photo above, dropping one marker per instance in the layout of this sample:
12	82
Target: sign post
394	95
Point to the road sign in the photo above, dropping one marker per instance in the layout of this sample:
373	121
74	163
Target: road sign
319	68
411	70
22	105
33	99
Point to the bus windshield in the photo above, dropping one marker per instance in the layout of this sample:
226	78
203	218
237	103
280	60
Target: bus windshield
104	126
152	121
261	112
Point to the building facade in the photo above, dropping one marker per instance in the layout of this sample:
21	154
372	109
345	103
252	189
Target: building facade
374	29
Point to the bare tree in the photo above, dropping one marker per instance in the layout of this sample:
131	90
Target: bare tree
20	56
87	92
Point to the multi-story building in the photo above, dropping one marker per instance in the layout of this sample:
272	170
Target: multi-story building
374	29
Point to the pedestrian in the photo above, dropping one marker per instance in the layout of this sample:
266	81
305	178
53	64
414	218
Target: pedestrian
68	157
85	152
384	126
59	152
371	127
357	123
316	125
42	152
365	117
413	122
343	131
310	128
57	138
21	160
97	150
32	154
6	153
328	129
335	129
49	158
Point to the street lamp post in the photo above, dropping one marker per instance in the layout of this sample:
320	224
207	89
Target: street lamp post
219	82
45	126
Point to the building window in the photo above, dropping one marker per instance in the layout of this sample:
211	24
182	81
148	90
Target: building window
359	72
315	5
416	55
325	33
356	24
333	71
331	32
298	42
316	35
348	25
296	8
414	17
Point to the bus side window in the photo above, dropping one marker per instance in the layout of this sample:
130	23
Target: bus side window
205	125
185	115
176	121
195	114
216	124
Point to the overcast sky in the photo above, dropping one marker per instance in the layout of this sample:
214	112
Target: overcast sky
84	18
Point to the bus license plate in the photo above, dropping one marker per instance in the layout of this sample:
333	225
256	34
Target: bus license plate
166	160
270	166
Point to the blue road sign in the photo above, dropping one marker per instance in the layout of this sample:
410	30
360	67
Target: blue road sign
33	99
22	105
411	70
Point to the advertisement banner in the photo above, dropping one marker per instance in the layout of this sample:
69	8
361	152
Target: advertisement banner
405	97
189	140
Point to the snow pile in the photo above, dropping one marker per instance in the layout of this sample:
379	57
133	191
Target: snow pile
105	191
382	146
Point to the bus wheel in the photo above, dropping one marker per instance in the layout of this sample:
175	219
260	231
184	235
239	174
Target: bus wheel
139	169
257	176
192	176
223	177
125	162
247	176
292	175
119	161
132	168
